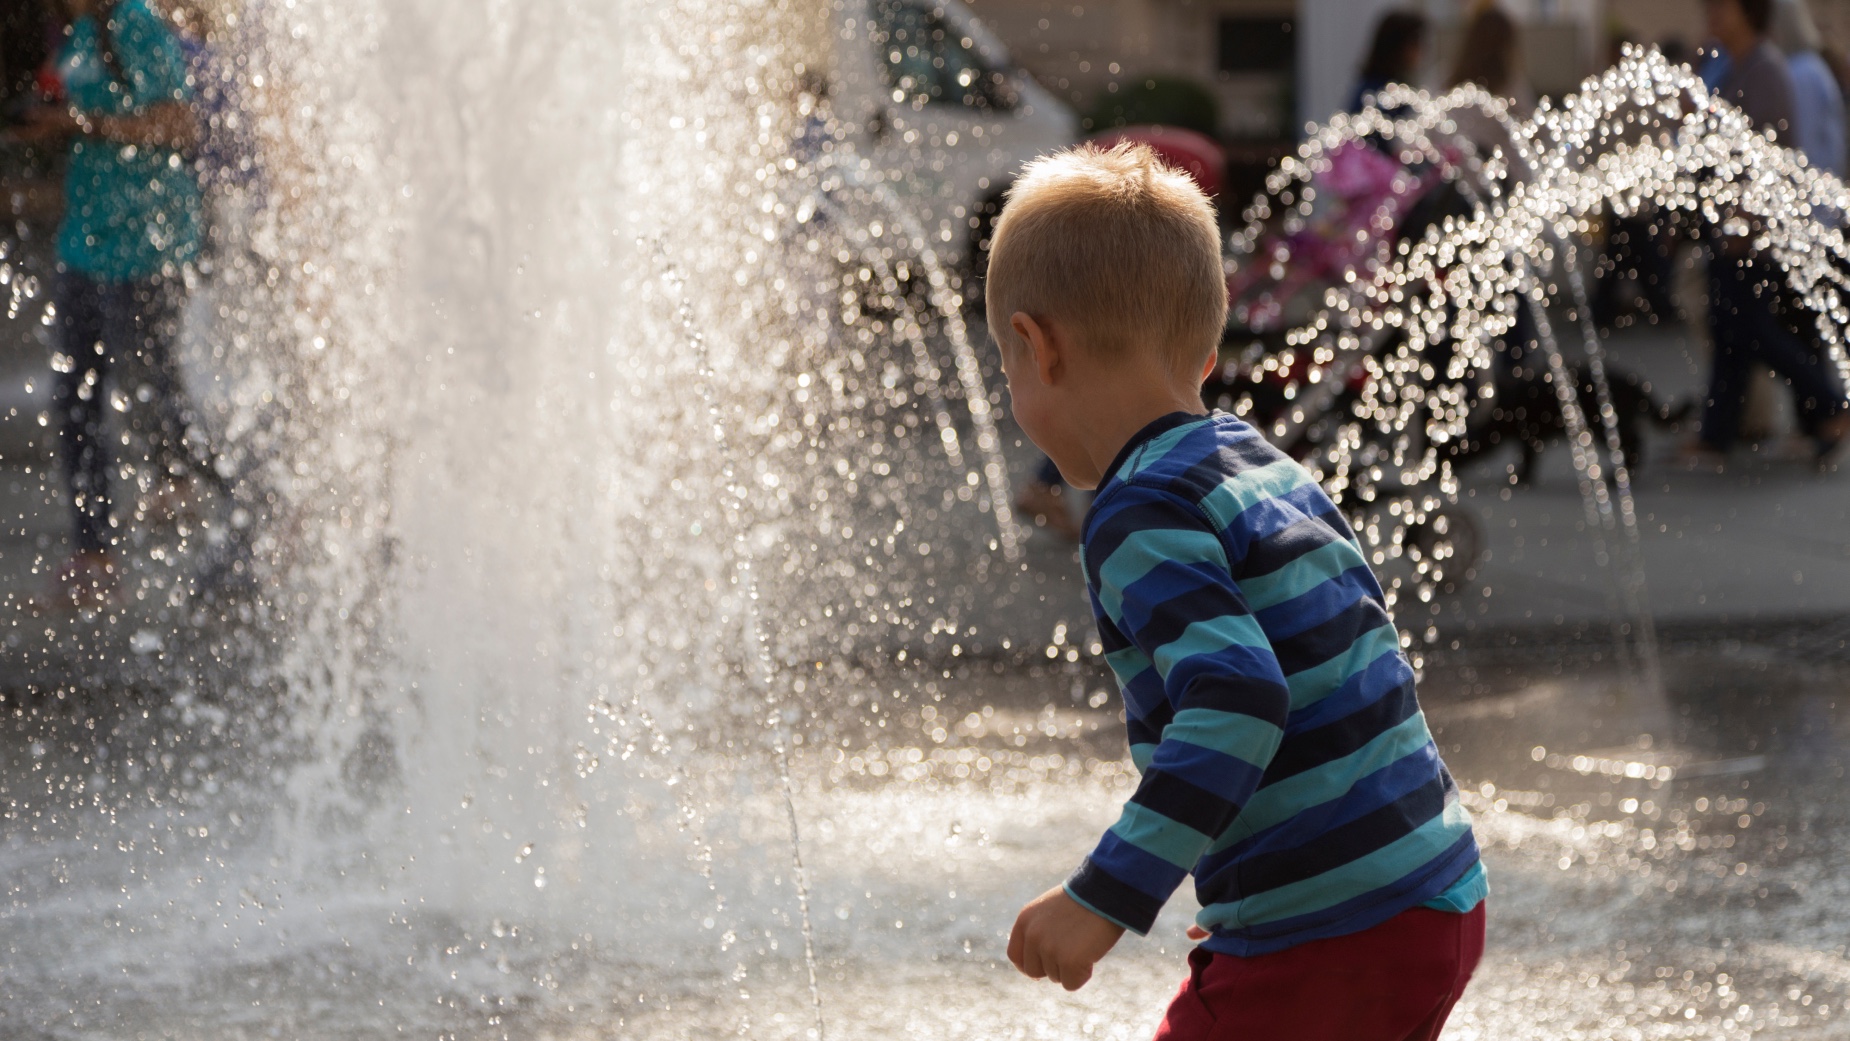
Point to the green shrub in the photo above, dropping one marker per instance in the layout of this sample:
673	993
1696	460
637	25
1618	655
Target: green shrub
1163	100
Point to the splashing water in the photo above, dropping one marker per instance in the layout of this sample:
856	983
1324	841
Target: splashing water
763	674
1644	134
616	630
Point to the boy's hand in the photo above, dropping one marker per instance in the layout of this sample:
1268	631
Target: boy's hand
1056	938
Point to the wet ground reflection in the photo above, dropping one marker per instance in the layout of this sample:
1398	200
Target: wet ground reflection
1703	904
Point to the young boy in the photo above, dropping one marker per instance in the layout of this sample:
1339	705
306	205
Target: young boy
1285	761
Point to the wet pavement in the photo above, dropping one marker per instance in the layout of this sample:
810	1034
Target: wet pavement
932	802
1768	539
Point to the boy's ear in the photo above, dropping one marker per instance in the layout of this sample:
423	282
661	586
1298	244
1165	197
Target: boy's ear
1208	366
1043	344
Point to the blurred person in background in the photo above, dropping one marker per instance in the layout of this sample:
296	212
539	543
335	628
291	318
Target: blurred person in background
1749	71
1394	56
1490	57
1834	59
1818	102
1749	316
1817	98
131	224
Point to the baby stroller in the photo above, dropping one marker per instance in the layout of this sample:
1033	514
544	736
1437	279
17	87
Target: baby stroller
1363	202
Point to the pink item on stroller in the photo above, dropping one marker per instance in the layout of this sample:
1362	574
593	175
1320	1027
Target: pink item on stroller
1361	194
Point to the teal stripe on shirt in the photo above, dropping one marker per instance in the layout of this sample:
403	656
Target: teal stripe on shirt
1211	636
1240	493
1464	894
1159	836
1300	576
1149	549
1128	663
1314	684
1155	450
1229	733
1141	755
1277	803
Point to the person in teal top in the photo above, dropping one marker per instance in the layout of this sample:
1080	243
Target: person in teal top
132	222
133	201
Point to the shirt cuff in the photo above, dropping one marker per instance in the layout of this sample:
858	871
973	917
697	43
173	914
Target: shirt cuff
1115	901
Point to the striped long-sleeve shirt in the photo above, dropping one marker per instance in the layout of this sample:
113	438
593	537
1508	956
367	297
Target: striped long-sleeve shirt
1285	762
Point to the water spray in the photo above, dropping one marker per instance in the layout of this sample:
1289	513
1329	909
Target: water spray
763	672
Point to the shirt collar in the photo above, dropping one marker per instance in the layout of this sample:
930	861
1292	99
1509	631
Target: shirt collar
1155	429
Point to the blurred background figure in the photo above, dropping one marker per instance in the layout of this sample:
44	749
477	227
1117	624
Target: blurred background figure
132	221
1394	56
1748	70
1751	320
1490	56
1817	99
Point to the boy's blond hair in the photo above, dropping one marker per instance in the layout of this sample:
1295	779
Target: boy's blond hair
1115	244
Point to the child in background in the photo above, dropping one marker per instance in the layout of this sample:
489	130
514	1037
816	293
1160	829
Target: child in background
1285	761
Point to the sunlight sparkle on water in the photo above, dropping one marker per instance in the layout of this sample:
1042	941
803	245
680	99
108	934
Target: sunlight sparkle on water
582	569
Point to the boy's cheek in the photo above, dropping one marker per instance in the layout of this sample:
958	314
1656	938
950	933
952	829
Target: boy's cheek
1027	416
1046	436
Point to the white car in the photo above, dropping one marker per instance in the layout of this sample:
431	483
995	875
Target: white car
929	96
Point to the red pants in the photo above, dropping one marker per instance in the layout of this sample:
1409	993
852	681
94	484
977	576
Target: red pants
1395	982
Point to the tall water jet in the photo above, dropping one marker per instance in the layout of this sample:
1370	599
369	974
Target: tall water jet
618	642
494	560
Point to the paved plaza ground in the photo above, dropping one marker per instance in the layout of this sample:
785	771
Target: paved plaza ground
1766	540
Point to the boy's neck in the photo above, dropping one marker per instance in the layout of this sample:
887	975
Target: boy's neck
1115	417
